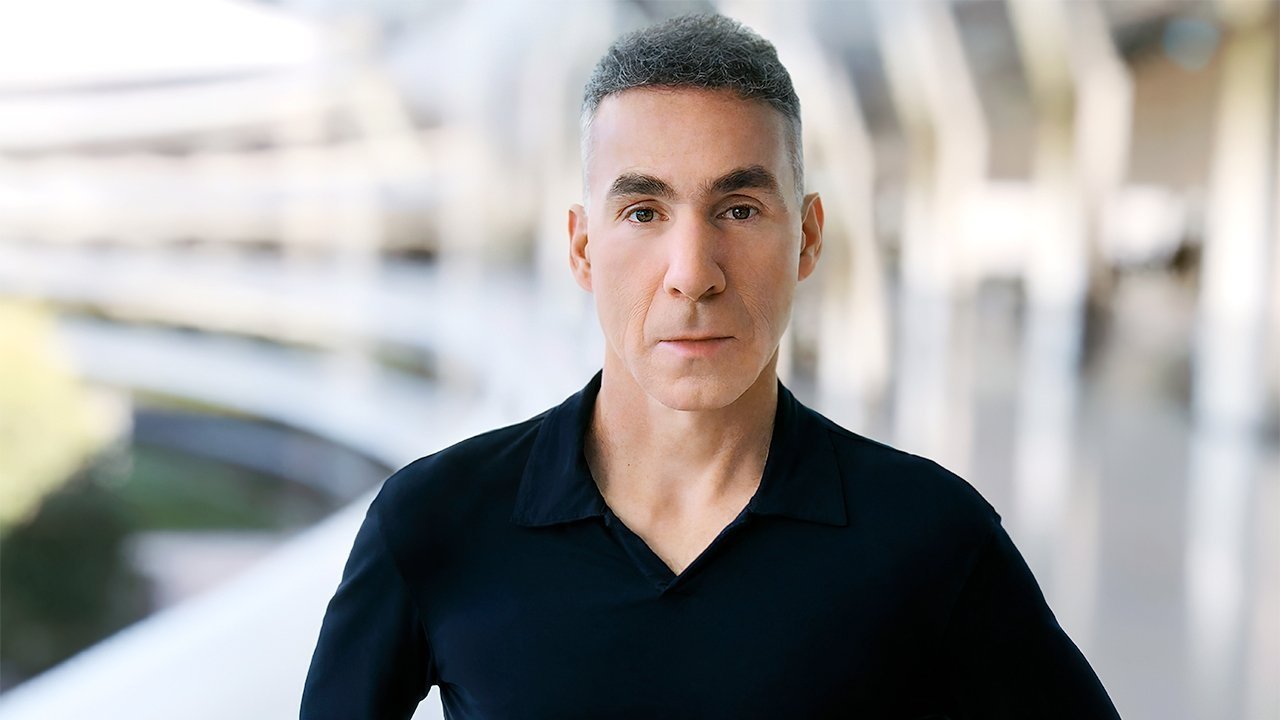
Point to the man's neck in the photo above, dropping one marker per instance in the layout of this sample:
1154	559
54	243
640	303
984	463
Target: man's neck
658	461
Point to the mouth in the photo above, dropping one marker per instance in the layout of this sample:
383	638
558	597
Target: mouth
694	347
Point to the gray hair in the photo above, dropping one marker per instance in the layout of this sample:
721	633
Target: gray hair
697	51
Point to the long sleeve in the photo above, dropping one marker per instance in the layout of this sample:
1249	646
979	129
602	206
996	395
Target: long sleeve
1007	656
372	659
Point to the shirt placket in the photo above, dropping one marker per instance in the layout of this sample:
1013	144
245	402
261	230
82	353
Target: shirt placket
652	567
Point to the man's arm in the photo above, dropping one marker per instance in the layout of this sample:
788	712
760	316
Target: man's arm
1006	655
372	660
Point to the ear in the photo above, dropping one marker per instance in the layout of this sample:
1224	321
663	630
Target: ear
579	255
811	235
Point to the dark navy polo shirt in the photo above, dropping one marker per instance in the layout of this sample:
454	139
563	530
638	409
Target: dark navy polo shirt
858	581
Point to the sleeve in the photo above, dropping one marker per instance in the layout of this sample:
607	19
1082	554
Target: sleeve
372	659
1005	654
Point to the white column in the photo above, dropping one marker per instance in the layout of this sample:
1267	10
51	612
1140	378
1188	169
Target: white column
1228	373
1082	99
942	119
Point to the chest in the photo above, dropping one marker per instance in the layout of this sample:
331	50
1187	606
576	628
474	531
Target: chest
777	619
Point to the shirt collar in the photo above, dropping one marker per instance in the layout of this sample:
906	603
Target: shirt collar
801	476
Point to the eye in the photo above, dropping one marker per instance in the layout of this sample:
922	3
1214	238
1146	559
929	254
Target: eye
642	215
741	212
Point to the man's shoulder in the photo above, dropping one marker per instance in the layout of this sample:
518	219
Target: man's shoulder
918	513
461	474
879	475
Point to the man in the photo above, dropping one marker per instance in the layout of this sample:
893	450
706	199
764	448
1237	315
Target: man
682	538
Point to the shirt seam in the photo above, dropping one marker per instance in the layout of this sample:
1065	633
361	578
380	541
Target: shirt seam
973	567
417	609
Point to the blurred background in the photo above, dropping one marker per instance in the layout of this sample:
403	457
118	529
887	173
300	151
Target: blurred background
255	256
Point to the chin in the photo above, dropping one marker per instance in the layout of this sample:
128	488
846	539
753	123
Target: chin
693	391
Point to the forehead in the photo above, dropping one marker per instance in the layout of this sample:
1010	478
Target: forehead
684	136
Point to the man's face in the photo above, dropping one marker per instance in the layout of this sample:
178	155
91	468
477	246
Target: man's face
694	241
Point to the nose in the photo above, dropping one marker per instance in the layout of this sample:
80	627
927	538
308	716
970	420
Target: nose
692	268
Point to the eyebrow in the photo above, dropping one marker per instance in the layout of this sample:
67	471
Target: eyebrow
751	177
638	184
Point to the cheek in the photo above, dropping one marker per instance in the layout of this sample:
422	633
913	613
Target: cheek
768	309
636	301
624	294
766	287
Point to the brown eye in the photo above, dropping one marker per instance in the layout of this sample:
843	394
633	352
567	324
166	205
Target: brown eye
741	212
641	215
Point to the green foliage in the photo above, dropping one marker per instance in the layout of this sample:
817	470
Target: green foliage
64	582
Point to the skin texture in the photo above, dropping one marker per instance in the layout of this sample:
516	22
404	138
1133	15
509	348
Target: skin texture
692	248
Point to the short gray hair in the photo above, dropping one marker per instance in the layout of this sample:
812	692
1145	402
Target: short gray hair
697	51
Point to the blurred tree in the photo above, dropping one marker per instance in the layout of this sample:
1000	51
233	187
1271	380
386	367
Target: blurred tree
65	582
50	424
